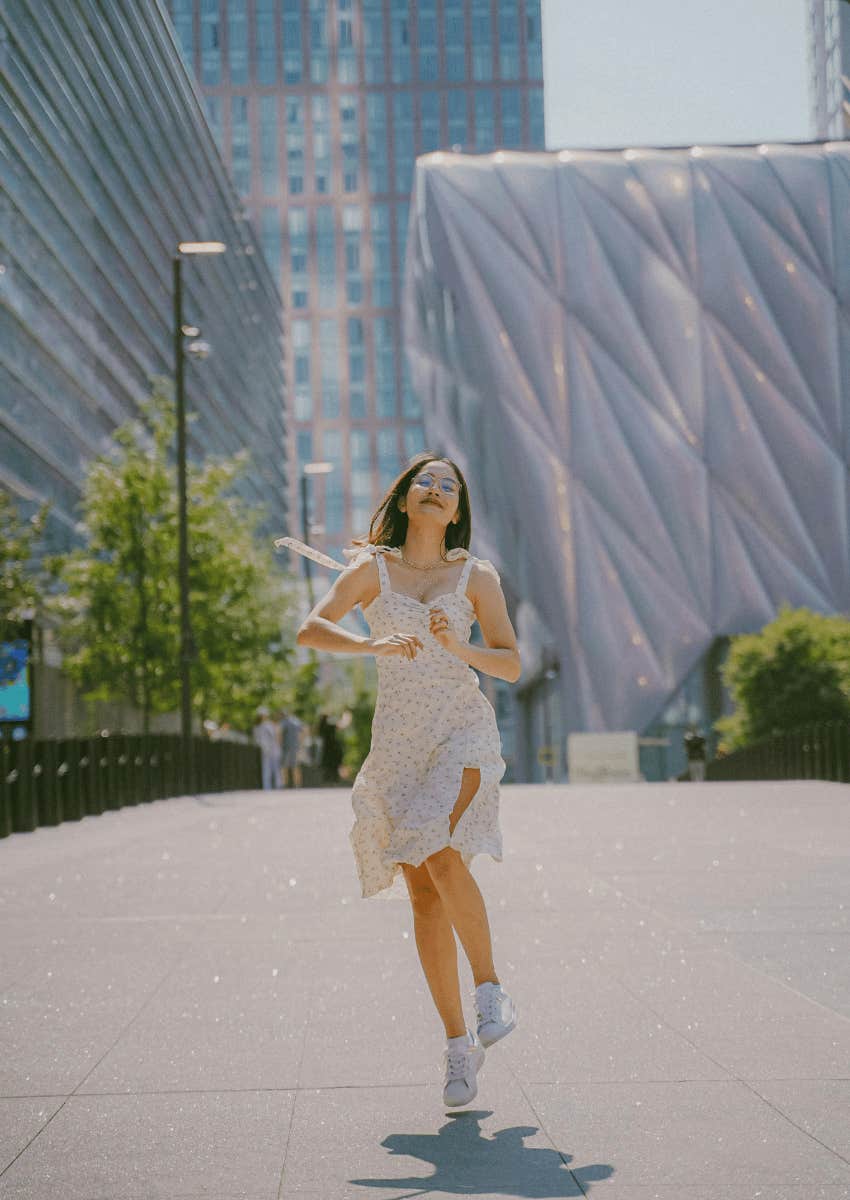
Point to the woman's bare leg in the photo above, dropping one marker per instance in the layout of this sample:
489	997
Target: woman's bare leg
435	941
461	897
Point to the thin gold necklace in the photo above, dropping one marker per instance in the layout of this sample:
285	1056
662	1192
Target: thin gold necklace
420	566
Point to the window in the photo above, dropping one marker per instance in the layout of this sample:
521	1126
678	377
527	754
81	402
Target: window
268	145
350	142
304	444
299	252
361	479
329	350
240	144
356	370
301	341
212	105
384	368
429	56
326	255
334	483
181	14
402	215
210	43
508	39
482	40
295	144
429	115
414	441
536	126
270	235
352	223
382	261
400	40
237	39
373	40
321	143
376	143
291	41
403	130
457	118
454	33
346	51
266	48
511	117
410	406
318	41
388	462
533	40
485	134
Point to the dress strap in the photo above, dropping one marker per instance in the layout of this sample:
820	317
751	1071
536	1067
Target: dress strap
464	575
383	574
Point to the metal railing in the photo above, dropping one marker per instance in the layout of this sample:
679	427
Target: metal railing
818	751
46	782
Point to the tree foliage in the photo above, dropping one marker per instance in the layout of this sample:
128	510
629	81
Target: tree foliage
21	579
794	671
119	613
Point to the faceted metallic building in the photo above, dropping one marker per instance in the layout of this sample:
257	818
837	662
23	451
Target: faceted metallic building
108	163
641	360
320	108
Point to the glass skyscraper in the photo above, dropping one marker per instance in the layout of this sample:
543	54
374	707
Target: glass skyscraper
829	65
107	164
320	108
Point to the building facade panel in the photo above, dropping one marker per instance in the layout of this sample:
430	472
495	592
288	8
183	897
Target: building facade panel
109	163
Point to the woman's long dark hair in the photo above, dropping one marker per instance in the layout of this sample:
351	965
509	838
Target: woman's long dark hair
388	526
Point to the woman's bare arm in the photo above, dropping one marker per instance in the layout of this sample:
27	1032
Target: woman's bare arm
501	658
319	628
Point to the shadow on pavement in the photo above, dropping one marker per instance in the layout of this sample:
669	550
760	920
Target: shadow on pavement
467	1162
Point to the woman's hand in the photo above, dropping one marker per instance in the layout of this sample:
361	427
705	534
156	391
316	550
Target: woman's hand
405	644
442	630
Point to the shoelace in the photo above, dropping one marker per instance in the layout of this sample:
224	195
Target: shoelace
489	1008
457	1063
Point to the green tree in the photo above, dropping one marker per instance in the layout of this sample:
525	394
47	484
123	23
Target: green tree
119	613
22	582
793	672
361	704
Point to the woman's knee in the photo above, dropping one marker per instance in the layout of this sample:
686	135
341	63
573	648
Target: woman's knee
424	897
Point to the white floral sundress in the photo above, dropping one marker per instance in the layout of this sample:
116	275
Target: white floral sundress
431	720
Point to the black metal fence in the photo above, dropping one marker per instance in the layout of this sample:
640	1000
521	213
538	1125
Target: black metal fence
819	751
46	782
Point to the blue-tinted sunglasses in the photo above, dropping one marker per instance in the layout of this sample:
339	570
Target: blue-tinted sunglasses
450	486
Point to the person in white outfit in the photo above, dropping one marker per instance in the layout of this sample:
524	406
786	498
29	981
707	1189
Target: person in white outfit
267	736
426	798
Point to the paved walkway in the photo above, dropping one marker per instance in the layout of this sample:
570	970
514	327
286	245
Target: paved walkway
195	1002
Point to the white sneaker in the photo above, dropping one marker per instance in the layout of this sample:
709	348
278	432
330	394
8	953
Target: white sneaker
462	1067
497	1013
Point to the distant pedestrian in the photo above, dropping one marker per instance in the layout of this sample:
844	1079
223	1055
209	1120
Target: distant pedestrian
267	736
290	741
426	798
695	750
332	750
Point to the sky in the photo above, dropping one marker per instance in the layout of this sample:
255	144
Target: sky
672	73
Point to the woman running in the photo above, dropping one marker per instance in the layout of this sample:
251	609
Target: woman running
426	799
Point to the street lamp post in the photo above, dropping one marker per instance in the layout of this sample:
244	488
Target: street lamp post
186	644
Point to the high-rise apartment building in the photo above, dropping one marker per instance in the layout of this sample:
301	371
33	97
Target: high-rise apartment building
320	108
829	66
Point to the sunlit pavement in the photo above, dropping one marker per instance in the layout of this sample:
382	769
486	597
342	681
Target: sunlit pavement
196	1002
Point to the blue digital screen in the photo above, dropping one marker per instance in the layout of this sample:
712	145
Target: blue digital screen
14	680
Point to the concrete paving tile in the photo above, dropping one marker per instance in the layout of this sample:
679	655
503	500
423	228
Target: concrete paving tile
815	964
393	1142
57	1024
156	1148
230	1016
20	1121
821	1107
751	1024
712	1134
